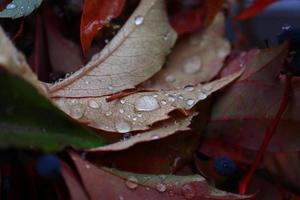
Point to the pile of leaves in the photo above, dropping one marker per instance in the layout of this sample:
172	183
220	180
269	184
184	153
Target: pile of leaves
143	100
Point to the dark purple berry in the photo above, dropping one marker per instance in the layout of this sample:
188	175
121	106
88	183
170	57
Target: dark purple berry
224	166
48	166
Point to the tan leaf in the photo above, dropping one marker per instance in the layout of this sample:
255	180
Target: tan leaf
136	53
14	61
196	59
139	110
168	128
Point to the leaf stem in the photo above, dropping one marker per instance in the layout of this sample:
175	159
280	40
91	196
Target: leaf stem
243	185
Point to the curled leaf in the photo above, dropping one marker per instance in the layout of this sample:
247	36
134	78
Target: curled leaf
20	8
139	110
136	53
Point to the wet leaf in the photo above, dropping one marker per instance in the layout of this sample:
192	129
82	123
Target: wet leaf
27	118
139	110
196	59
20	8
136	53
94	16
255	8
243	112
168	128
101	183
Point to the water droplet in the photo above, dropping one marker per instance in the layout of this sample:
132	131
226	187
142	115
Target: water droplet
202	96
188	88
77	112
163	102
170	78
171	98
207	88
122	101
11	6
110	87
146	104
193	65
109	113
138	20
134	118
131	182
155	137
180	97
122	127
139	115
86	82
161	187
188	191
190	102
121	111
93	104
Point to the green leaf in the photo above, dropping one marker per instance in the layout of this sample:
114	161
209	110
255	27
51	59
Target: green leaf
20	8
29	119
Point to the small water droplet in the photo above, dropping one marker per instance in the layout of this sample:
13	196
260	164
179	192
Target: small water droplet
170	78
11	6
188	88
122	127
86	82
180	97
155	137
193	65
171	98
131	182
134	118
207	88
138	20
121	111
161	187
188	191
77	112
122	101
202	96
163	102
146	104
190	102
139	115
108	113
93	104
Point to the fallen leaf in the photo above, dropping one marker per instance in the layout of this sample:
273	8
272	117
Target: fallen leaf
168	128
113	184
196	59
94	16
243	112
139	110
136	53
255	8
20	8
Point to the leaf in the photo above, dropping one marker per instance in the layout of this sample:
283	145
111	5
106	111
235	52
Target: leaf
255	8
167	129
94	16
197	59
113	184
136	53
20	8
243	112
27	120
139	110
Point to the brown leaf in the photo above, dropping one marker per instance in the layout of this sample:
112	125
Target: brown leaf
136	53
140	110
167	129
196	59
104	183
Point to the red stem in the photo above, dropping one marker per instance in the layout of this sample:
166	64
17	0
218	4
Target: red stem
268	135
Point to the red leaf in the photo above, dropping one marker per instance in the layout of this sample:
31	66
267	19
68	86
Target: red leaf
254	9
95	15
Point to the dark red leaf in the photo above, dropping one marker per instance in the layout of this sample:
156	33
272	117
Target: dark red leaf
254	9
95	15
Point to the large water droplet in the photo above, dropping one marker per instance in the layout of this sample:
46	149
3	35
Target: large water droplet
11	6
188	191
190	102
161	187
131	182
138	20
146	104
93	104
122	127
193	65
188	88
